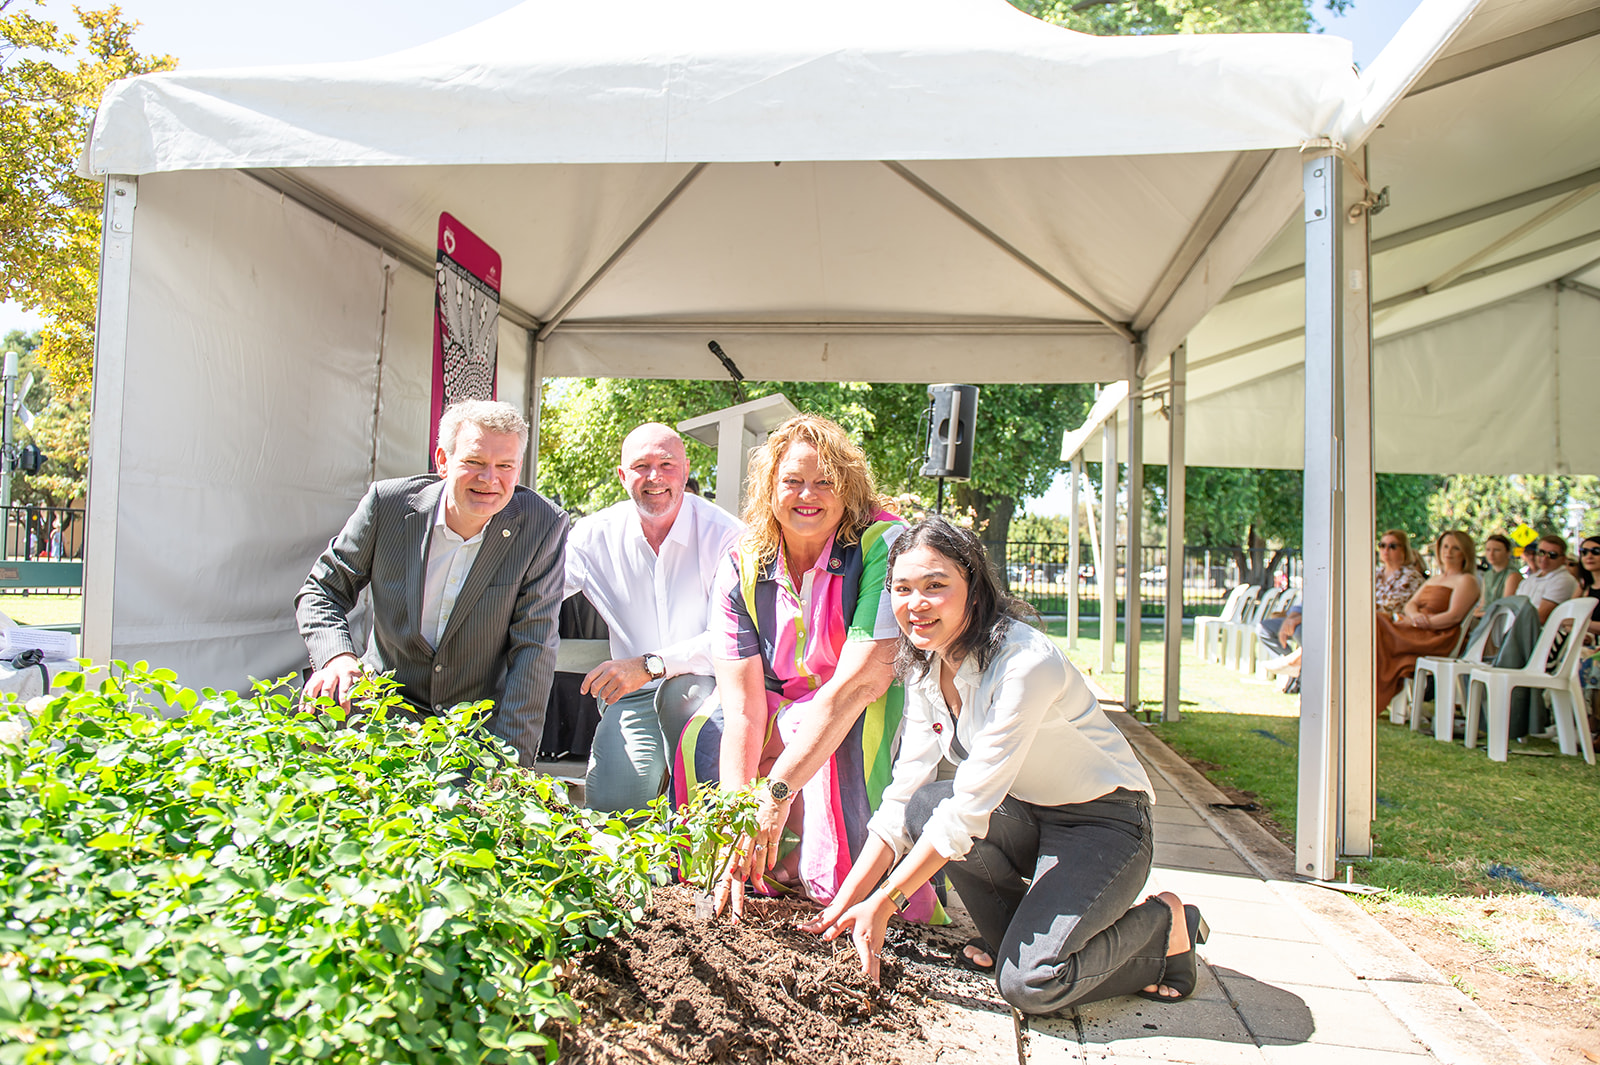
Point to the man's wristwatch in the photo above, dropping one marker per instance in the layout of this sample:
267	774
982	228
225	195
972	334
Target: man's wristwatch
655	666
778	790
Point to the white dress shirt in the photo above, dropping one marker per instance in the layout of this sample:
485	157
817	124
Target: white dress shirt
1028	727
662	603
450	559
1557	586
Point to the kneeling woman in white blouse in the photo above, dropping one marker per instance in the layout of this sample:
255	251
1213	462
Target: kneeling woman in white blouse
1045	829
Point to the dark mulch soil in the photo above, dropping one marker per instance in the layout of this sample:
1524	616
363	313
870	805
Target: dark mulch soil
680	988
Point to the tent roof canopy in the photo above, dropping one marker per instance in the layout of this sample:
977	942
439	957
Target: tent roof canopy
723	81
969	180
1492	168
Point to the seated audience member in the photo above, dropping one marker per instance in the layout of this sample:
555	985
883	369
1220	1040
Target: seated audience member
1431	619
1589	588
1400	572
649	566
465	572
1553	584
1501	578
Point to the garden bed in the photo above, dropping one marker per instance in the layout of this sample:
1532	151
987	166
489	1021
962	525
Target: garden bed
680	988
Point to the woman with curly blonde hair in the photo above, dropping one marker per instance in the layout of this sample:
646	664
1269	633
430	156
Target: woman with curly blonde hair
803	649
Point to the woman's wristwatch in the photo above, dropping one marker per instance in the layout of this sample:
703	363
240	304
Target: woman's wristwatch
899	899
779	790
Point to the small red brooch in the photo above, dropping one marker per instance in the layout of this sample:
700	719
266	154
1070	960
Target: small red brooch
937	727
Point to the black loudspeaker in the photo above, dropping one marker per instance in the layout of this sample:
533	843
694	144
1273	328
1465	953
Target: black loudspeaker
952	414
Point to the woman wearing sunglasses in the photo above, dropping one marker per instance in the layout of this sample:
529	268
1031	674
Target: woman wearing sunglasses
1400	572
1588	582
1045	829
1431	619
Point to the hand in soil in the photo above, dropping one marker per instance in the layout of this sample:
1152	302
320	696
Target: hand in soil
867	921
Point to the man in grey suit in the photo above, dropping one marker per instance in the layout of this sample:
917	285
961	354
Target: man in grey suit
465	569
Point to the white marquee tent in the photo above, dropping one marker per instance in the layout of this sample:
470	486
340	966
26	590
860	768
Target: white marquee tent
847	194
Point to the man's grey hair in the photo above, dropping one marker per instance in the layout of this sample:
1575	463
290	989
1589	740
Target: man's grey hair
490	415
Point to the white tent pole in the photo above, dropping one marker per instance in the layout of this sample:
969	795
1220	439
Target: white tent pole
622	249
389	265
1176	485
1120	328
1095	553
1135	600
986	327
1108	544
533	403
1336	779
105	439
1545	217
1072	551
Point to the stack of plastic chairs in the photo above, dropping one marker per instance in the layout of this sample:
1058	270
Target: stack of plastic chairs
1208	631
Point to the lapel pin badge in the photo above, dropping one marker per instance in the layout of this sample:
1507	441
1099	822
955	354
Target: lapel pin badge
834	563
937	727
505	532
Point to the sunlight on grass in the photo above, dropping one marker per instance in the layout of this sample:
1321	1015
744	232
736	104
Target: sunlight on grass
43	609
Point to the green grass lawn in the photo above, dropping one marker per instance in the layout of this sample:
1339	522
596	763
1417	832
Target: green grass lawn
1446	816
43	609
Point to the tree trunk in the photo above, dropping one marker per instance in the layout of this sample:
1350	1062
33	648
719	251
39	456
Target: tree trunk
991	521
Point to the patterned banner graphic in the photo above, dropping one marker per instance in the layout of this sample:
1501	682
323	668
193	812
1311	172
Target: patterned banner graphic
466	320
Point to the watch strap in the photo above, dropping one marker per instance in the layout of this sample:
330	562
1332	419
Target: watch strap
899	899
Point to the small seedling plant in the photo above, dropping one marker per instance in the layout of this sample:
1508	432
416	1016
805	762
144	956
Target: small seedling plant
202	876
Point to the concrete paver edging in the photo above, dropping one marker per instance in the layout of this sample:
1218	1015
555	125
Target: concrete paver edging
1454	1028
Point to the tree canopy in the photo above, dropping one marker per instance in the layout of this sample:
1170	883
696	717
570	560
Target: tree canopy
50	83
1114	17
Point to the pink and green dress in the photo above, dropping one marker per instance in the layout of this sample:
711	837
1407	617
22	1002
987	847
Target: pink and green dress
799	633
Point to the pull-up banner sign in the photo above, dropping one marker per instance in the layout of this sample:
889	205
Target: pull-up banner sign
466	320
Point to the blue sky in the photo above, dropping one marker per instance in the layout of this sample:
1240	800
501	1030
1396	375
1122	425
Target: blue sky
224	33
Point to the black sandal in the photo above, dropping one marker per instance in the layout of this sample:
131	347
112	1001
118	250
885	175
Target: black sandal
980	944
1183	970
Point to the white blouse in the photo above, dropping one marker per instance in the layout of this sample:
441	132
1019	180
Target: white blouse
1028	727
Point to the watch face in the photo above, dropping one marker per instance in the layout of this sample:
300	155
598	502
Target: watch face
654	666
779	790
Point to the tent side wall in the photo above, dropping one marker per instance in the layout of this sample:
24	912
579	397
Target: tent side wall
1522	366
273	364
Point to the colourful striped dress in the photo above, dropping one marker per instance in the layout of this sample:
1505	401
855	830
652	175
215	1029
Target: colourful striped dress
764	614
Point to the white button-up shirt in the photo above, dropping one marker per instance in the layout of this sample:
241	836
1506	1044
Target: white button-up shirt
1028	727
662	604
450	559
1557	586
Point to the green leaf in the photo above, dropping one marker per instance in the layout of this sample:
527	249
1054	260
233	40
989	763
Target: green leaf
347	853
14	996
479	859
394	938
110	841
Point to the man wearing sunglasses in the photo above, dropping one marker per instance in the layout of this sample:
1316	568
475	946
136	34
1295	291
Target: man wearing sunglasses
1552	583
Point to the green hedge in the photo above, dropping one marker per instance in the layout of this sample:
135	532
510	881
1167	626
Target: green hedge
250	882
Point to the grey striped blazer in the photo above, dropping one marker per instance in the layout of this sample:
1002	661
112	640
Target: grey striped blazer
501	640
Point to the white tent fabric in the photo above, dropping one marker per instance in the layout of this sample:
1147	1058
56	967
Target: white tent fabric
964	195
1485	269
727	81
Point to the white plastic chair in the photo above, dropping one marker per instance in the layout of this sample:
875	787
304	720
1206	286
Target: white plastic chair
1450	674
1249	651
1495	683
1208	631
1236	634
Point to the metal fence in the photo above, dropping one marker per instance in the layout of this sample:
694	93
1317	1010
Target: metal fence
41	534
1038	571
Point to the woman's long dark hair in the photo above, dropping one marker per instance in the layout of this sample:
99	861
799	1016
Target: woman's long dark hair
1585	575
990	608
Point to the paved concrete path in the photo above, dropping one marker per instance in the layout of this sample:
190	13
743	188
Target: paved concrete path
1294	973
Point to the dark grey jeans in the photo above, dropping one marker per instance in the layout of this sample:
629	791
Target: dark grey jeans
1054	888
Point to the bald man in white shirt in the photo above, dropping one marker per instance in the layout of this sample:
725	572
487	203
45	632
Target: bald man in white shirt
647	565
